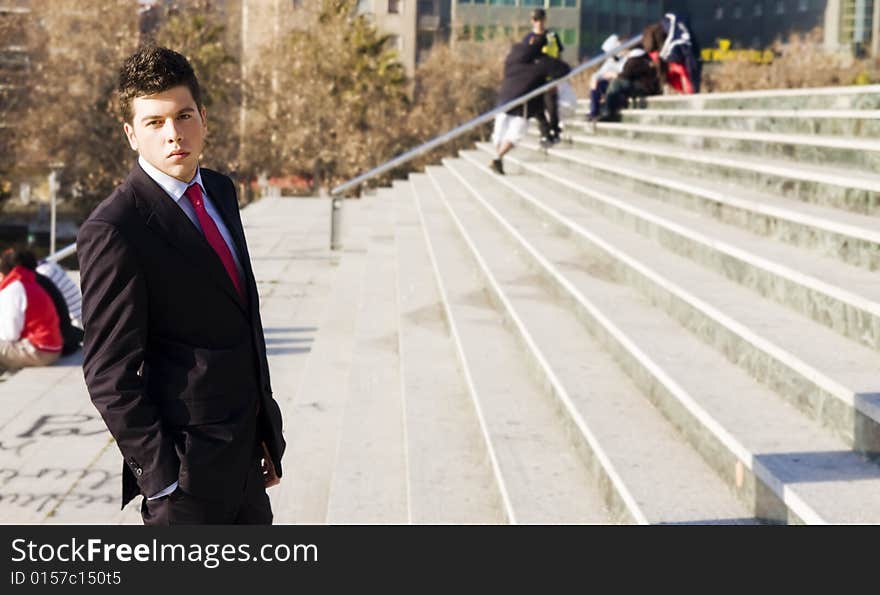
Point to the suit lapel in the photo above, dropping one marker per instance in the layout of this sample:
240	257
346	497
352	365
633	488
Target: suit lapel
174	226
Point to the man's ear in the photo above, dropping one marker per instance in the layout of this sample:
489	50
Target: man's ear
204	115
129	134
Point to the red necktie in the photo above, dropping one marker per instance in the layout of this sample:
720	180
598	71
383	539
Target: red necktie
212	234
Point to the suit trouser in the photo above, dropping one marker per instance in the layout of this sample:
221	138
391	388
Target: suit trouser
251	506
22	354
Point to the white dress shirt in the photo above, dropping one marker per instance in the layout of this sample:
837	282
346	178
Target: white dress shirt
176	190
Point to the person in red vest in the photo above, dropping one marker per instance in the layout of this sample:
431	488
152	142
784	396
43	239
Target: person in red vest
30	334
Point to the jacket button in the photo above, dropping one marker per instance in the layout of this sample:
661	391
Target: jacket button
138	471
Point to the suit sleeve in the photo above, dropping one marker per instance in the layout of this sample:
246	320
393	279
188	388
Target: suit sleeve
271	410
115	317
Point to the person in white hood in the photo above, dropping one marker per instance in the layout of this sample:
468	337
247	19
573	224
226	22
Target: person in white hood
600	80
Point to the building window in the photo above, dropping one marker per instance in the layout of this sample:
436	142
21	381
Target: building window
719	13
424	43
759	9
737	12
571	3
480	33
780	7
394	6
569	37
803	5
533	2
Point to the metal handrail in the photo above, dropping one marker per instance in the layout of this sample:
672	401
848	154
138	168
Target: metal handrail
431	144
63	253
468	126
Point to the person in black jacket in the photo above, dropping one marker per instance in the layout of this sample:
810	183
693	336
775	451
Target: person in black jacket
526	68
638	77
551	45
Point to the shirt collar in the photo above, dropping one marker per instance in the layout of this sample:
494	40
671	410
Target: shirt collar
172	186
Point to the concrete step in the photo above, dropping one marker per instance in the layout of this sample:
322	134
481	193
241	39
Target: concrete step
314	411
782	465
851	237
369	482
449	466
840	296
823	374
648	472
296	276
841	151
845	123
848	189
543	479
859	97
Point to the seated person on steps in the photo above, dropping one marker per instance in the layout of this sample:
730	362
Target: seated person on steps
30	334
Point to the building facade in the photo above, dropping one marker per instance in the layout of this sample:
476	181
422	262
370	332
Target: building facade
582	24
756	24
15	67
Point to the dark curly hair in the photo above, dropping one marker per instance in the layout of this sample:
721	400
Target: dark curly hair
153	69
17	256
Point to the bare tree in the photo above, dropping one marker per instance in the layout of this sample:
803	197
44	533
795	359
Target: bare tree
454	85
197	32
15	27
330	101
76	47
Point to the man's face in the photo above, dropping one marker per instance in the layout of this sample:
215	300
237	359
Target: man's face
538	25
168	130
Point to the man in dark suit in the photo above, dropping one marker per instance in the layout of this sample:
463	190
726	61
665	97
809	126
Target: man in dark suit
175	358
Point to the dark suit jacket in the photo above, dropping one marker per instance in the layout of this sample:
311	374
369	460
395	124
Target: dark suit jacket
175	362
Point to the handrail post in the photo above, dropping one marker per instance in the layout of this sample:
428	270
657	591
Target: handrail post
54	185
336	204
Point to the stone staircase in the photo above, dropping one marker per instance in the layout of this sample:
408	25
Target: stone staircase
673	319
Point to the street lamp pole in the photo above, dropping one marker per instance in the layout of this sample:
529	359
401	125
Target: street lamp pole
53	201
